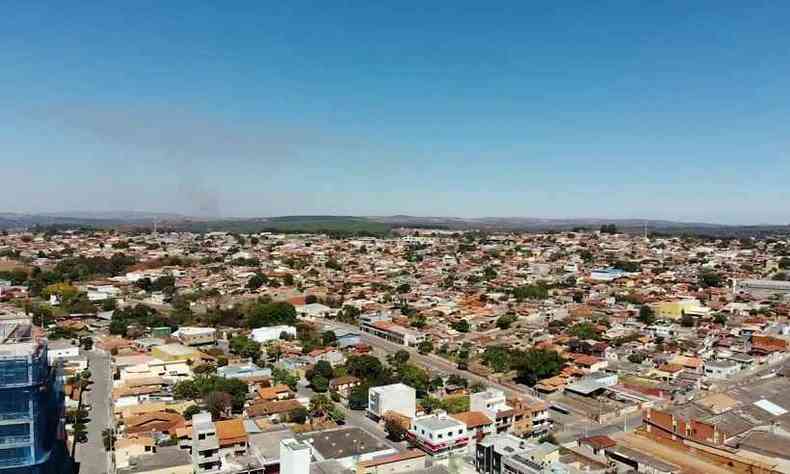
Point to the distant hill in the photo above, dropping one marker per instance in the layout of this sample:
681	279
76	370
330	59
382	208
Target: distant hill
359	225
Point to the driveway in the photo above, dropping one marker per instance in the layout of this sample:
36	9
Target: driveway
90	456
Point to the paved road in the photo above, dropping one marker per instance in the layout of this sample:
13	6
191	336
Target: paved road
357	419
431	362
91	456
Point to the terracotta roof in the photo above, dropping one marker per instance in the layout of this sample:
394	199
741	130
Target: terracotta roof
472	419
231	431
599	442
272	408
393	458
271	393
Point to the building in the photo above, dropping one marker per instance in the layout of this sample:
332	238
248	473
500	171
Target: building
272	333
196	336
32	435
439	436
398	398
493	404
406	461
393	332
205	445
174	352
762	287
295	457
346	446
721	369
505	453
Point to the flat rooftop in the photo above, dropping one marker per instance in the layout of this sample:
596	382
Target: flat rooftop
343	442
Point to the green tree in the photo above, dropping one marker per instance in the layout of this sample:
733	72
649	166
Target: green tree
256	281
245	347
328	338
425	347
497	358
358	398
191	411
536	364
537	291
401	357
646	315
461	325
320	384
320	405
687	320
506	320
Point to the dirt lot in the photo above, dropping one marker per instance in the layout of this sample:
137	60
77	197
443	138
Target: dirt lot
688	463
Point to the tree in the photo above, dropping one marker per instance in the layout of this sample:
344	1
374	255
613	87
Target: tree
256	281
245	347
191	411
298	415
646	315
709	279
219	404
461	325
497	358
537	291
637	357
583	330
403	288
489	273
337	415
425	347
506	320
358	398
320	383
401	357
320	405
608	229
395	430
536	364
270	314
720	318
687	320
328	338
282	376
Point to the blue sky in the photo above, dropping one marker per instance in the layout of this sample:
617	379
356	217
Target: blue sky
673	110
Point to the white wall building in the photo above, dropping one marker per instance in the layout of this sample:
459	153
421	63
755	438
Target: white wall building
398	398
295	457
271	333
721	369
439	435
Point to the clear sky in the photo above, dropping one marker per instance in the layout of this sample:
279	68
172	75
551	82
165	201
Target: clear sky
634	109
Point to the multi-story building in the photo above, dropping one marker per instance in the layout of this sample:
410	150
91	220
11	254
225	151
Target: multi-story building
507	454
439	435
205	445
32	435
397	398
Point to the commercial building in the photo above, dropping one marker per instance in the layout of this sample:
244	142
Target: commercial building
397	398
393	332
505	453
32	435
439	436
